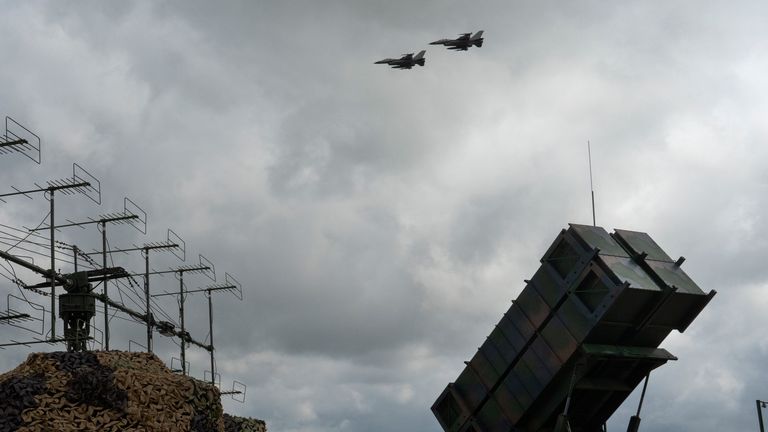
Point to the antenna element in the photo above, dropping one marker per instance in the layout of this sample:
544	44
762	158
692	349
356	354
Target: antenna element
591	187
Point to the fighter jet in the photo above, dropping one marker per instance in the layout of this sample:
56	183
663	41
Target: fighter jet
463	42
407	61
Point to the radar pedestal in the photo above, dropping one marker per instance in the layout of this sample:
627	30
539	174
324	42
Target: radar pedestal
76	308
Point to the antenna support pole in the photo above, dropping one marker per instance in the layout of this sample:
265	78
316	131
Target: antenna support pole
183	330
146	298
104	282
53	272
591	187
210	329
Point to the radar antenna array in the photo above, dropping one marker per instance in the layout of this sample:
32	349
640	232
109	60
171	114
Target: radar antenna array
81	182
132	215
230	285
205	267
24	314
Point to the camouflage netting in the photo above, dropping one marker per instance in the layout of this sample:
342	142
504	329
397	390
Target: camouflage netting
105	391
243	424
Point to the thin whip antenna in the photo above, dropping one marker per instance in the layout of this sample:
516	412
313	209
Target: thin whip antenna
591	186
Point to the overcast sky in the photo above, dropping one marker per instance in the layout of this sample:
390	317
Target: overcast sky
381	220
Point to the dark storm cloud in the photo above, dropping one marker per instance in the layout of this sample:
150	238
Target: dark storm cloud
381	220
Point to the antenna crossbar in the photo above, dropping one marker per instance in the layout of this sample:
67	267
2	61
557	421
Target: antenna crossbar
149	246
52	187
180	270
211	288
22	316
103	220
13	143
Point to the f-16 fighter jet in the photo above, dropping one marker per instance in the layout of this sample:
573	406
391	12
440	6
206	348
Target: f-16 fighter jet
463	42
407	61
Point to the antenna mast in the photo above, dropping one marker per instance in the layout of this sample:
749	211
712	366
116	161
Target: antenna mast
591	187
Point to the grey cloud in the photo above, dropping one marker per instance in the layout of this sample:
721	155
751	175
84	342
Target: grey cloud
381	220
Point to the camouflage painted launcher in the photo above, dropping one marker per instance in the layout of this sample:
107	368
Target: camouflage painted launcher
588	324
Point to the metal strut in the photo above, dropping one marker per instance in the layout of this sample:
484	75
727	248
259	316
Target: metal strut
634	421
562	424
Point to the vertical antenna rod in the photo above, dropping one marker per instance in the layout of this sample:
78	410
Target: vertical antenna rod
53	272
210	329
146	297
183	330
104	282
591	187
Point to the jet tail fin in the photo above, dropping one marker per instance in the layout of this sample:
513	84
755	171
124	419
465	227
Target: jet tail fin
419	59
477	39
